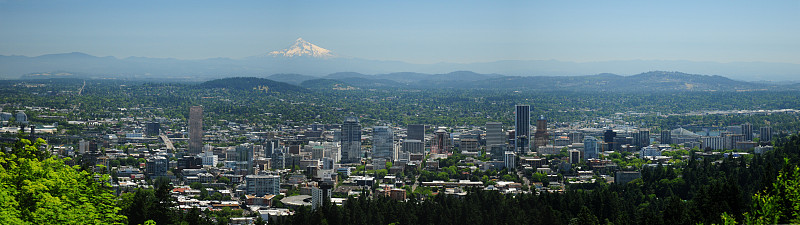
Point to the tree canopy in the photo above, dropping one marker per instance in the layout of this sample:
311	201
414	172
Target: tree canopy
39	189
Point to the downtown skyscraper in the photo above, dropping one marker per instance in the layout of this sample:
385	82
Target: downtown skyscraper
522	124
383	143
494	134
351	141
747	131
591	150
195	130
541	137
416	132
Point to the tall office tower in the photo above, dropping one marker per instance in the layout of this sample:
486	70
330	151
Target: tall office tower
641	138
747	131
195	130
416	132
728	140
351	141
541	137
156	166
383	143
608	137
522	124
494	134
511	137
575	137
468	145
590	148
441	142
271	146
278	160
733	139
497	151
766	134
244	157
153	128
666	136
413	146
510	160
713	143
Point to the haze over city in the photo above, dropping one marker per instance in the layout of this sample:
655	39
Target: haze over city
713	35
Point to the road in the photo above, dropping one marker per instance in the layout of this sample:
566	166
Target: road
167	142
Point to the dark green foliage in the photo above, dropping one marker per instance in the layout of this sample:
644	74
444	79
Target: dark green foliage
157	205
38	189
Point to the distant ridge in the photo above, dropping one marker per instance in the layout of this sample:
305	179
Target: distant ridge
291	78
327	84
306	58
251	83
653	81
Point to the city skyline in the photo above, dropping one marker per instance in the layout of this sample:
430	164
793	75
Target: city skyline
407	155
415	32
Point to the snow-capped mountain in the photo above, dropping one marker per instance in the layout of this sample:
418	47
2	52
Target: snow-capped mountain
303	48
309	59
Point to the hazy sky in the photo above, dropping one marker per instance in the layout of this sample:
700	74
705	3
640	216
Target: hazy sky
412	31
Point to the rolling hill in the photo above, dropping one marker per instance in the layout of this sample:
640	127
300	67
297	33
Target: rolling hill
251	83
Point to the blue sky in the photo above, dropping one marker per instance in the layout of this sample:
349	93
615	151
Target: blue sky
411	31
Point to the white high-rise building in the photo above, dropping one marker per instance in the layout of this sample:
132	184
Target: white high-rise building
510	159
383	143
317	197
260	185
83	146
209	159
713	143
495	134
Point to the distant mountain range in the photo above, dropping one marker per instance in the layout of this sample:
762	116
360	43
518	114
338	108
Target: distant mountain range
306	58
656	81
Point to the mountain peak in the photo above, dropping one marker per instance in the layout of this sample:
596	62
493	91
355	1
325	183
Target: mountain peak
303	48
